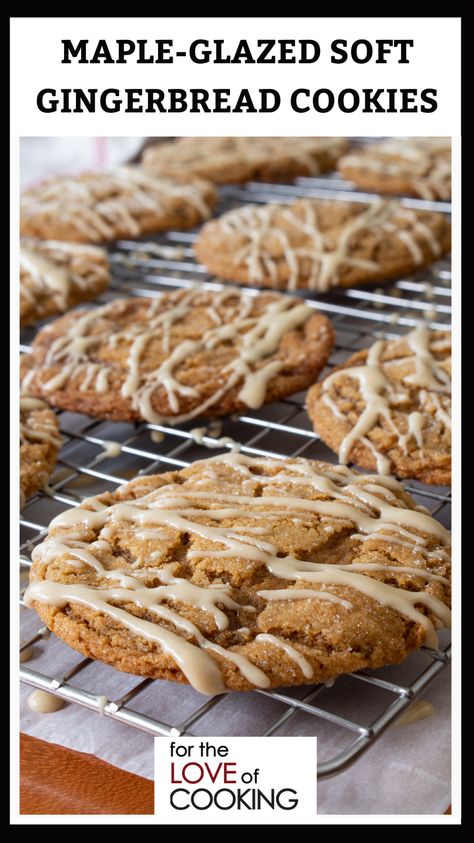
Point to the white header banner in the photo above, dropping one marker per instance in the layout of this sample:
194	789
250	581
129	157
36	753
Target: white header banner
235	76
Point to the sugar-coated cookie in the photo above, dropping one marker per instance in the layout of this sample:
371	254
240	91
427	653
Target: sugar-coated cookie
318	244
237	573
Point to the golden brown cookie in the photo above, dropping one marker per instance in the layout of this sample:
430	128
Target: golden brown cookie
235	160
389	407
318	244
181	355
39	444
101	206
237	573
414	166
55	276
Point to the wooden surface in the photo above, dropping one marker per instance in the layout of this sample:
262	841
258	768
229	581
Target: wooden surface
55	780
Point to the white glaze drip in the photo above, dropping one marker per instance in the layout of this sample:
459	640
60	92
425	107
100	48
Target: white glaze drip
290	651
419	710
428	374
44	272
26	654
111	449
203	436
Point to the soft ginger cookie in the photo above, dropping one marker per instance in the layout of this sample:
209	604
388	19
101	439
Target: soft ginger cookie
413	166
235	160
389	407
101	206
185	354
55	276
316	244
238	573
39	444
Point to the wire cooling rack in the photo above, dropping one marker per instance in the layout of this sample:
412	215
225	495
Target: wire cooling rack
347	715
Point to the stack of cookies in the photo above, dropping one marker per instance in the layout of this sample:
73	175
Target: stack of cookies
236	572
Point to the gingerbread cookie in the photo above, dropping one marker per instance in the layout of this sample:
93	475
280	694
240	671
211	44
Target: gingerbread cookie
39	444
235	160
55	276
101	206
238	573
315	245
184	354
389	407
414	166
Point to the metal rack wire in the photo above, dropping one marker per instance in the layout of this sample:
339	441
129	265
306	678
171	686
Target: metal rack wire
355	710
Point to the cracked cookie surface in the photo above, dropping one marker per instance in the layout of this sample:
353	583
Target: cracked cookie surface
181	355
316	244
413	166
237	573
106	205
234	160
389	407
